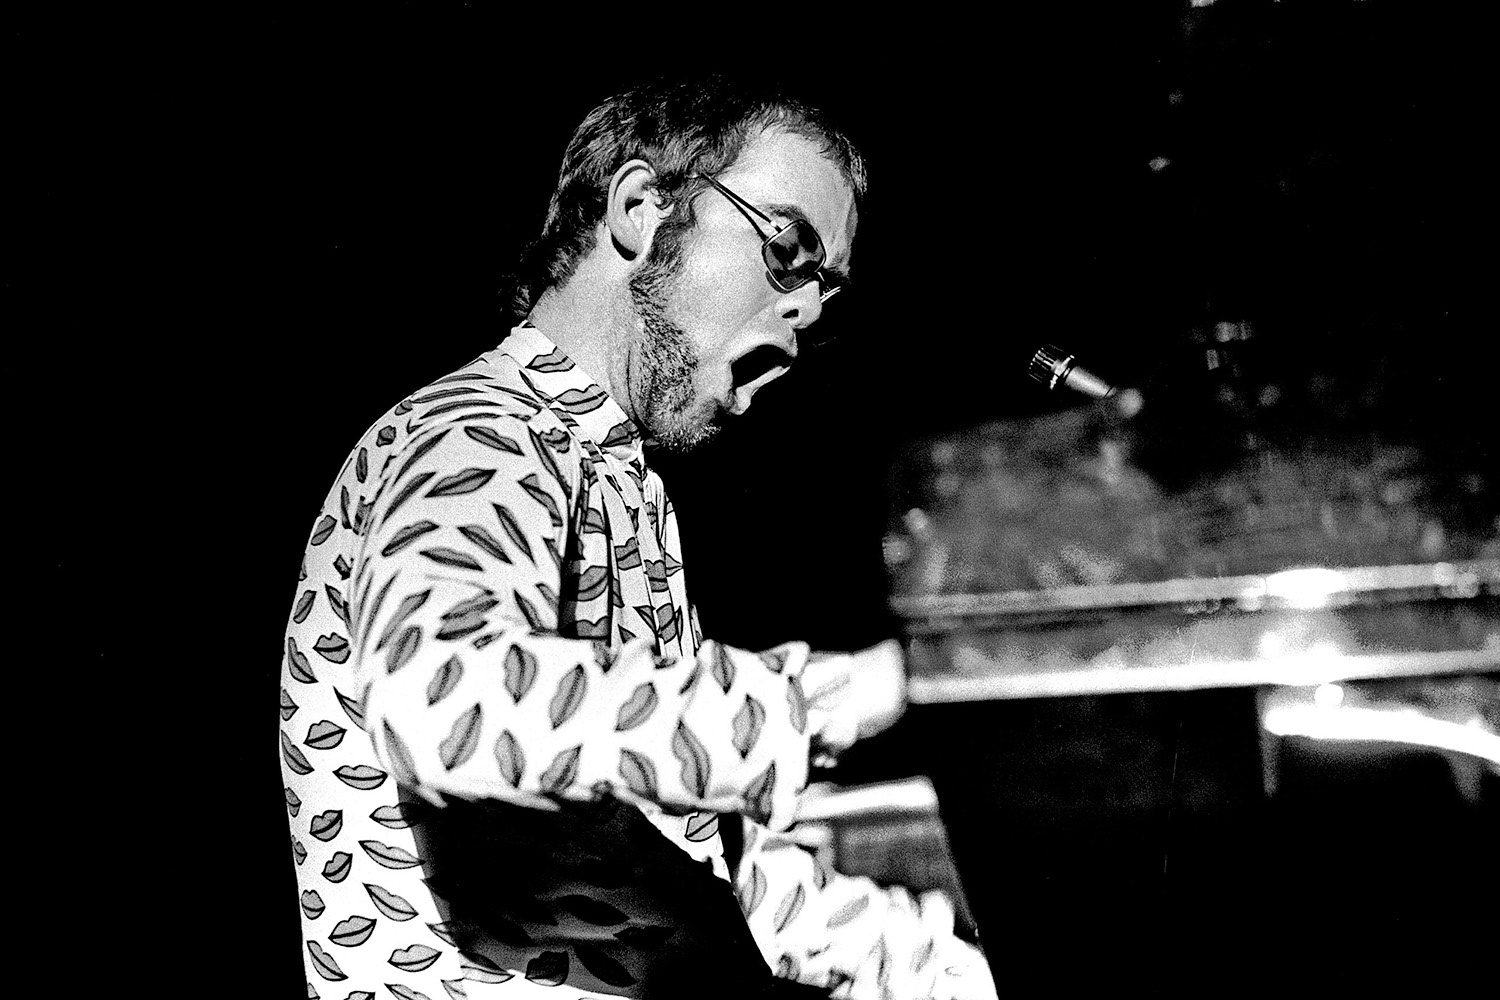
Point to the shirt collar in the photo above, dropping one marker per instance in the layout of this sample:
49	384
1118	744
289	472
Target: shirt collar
567	388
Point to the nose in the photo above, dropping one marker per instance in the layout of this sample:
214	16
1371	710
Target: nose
802	306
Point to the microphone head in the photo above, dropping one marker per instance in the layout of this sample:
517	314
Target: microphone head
1052	366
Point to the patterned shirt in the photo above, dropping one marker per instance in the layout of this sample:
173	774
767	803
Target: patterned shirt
492	607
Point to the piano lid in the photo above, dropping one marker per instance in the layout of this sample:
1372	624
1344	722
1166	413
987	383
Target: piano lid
1208	543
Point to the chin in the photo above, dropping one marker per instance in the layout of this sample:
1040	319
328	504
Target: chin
681	433
681	441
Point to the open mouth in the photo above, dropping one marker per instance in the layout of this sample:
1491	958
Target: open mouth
750	366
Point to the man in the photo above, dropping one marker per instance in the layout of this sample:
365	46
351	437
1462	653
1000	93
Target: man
553	759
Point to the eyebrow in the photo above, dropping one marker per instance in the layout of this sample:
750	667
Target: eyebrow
833	265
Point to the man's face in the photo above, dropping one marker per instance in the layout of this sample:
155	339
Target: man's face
712	328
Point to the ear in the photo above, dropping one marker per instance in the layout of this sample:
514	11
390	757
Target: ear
634	208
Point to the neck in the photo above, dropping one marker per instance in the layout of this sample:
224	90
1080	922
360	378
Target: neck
591	320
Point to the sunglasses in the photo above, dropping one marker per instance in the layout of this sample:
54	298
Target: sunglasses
794	254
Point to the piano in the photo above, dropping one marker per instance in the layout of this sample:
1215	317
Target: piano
1208	682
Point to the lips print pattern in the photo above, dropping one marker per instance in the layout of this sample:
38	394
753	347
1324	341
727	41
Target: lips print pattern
492	605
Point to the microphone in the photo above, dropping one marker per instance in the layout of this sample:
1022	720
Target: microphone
1052	366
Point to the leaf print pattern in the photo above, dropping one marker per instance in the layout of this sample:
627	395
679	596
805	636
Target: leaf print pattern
406	536
405	647
353	932
747	725
753	891
696	769
490	438
444	556
354	709
534	489
637	708
326	825
467	617
530	614
388	856
481	970
337	868
487	543
414	958
849	911
461	741
723	669
639	773
324	735
460	483
562	772
336	602
570	693
332	647
550	968
549	465
701	826
489	614
790	907
510	757
297	664
323	531
599	962
361	776
758	797
512	529
409	606
797	703
445	680
396	817
520	672
323	963
294	760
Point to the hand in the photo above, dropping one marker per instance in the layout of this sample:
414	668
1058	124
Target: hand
855	695
964	974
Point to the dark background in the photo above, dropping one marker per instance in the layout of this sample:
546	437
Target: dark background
235	240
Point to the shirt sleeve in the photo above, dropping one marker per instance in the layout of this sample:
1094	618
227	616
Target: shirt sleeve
468	689
847	934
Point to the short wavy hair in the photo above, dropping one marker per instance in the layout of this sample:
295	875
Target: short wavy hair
681	128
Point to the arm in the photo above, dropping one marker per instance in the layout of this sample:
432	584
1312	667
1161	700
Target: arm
468	688
848	934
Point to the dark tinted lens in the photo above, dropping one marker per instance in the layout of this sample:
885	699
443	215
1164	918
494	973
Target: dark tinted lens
794	255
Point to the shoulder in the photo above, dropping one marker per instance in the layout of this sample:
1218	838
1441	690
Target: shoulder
487	401
483	419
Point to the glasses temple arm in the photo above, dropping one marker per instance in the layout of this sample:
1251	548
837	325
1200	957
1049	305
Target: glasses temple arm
741	204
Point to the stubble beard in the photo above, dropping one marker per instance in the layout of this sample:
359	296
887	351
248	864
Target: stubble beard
667	403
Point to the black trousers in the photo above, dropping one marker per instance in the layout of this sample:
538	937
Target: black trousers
593	896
